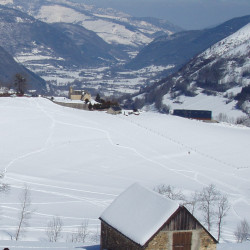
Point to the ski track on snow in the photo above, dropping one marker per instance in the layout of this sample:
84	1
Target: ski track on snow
93	201
178	172
131	149
239	196
108	136
62	188
102	202
46	142
196	151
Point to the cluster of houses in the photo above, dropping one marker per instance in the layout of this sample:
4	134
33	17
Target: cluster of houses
85	96
141	219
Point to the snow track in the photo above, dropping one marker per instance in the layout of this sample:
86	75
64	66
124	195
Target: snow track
76	162
193	150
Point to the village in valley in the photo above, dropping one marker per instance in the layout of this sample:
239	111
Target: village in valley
81	99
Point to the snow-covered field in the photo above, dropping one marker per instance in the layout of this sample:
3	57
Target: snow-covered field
76	162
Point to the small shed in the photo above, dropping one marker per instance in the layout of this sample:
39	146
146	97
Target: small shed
142	219
115	110
194	114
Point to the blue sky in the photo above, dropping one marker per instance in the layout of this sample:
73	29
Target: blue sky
189	14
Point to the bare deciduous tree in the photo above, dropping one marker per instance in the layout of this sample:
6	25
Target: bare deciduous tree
213	205
169	192
208	196
242	232
82	232
3	186
24	213
193	202
222	209
96	235
54	229
20	83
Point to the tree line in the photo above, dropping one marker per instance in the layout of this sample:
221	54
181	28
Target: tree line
54	229
101	103
19	84
211	204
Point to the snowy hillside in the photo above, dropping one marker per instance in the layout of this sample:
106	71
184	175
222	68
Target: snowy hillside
76	162
177	49
109	31
113	26
223	70
210	81
235	49
34	42
235	45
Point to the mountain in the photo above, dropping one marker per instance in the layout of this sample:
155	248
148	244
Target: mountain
27	38
116	28
47	49
74	43
9	68
93	47
217	79
177	49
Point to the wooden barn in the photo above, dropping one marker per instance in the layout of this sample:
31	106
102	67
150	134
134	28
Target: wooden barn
142	219
194	114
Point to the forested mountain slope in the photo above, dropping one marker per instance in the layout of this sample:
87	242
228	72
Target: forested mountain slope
222	72
177	49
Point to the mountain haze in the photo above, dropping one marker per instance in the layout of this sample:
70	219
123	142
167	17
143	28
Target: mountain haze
177	49
116	28
21	33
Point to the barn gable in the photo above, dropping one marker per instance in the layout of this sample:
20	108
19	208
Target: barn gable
140	219
131	213
183	220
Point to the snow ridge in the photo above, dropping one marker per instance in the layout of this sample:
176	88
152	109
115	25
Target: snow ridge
225	65
236	44
113	26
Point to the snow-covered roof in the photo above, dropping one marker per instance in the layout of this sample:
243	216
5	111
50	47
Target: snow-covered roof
138	213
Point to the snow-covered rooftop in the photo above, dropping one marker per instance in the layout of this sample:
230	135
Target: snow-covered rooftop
138	213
